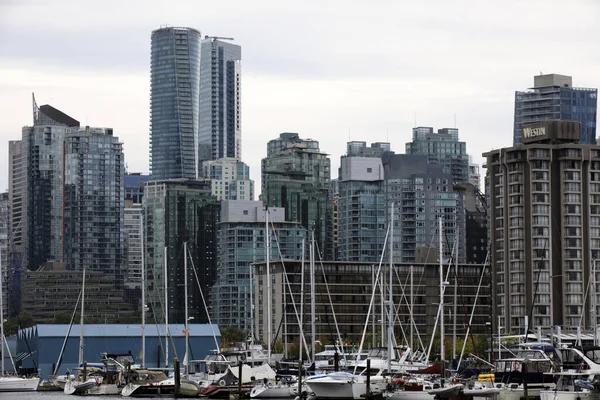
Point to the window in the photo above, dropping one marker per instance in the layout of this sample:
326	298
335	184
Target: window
369	170
245	212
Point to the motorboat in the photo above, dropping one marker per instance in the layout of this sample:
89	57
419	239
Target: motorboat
446	390
345	385
146	383
578	376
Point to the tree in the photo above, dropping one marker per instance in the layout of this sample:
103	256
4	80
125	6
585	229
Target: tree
13	324
230	335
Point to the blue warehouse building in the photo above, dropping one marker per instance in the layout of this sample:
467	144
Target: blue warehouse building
39	347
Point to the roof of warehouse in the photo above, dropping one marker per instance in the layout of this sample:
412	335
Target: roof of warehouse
120	330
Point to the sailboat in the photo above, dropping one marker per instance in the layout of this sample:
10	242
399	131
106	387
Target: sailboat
11	383
151	384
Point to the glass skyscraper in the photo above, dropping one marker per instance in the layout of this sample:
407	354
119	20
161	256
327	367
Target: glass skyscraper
220	104
174	103
296	176
361	203
553	97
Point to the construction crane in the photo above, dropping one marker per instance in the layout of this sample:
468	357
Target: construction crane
218	37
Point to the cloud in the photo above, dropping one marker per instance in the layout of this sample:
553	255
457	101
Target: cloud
329	70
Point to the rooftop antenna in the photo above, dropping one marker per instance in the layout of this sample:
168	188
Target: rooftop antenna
415	119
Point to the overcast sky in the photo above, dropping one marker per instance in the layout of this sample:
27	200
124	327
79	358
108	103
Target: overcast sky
331	70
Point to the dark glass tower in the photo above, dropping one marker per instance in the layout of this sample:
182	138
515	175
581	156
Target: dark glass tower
174	103
553	97
220	105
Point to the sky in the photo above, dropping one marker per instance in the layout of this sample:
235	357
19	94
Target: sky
331	70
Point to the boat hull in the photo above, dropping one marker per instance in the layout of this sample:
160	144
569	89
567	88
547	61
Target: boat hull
164	388
16	384
269	391
329	388
568	395
410	395
91	387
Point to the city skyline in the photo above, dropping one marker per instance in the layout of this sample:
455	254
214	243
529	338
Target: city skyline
331	72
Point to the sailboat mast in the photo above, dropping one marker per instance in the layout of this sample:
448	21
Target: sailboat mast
1	315
143	363
185	294
312	296
441	294
391	304
269	308
594	304
455	296
301	305
81	320
166	312
412	322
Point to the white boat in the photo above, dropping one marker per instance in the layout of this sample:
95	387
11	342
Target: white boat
344	385
93	385
446	390
579	377
483	390
573	386
18	384
273	390
156	386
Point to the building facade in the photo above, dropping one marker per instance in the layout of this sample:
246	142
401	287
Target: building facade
178	212
241	243
93	202
296	175
220	100
553	97
361	204
43	144
5	255
545	228
133	184
342	300
51	294
229	179
442	148
174	103
17	206
423	193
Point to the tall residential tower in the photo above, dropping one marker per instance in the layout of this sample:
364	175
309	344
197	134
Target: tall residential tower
174	103
220	103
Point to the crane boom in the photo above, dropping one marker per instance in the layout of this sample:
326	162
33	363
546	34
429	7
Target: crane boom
218	37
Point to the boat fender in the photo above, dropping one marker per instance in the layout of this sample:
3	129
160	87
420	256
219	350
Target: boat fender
222	382
515	365
118	382
97	381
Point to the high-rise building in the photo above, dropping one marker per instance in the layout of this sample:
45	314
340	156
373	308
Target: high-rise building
92	206
220	100
5	253
17	215
423	193
296	176
553	97
545	228
442	148
174	103
241	243
361	203
229	179
43	144
178	212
